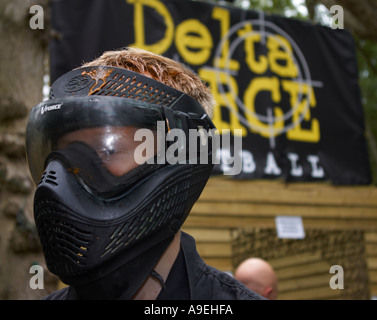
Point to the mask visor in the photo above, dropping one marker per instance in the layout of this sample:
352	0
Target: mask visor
92	136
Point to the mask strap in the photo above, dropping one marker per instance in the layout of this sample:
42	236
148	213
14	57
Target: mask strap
169	118
158	277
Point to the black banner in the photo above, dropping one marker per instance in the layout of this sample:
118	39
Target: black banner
290	86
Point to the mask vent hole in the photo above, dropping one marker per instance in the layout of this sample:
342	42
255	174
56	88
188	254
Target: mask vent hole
50	178
42	178
66	246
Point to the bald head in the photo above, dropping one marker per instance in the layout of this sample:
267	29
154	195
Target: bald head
259	276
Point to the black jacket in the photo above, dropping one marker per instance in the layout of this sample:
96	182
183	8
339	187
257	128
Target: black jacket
205	282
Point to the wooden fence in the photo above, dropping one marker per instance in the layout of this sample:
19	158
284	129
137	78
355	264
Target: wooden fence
228	209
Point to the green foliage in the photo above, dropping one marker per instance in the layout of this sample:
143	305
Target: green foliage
367	62
280	7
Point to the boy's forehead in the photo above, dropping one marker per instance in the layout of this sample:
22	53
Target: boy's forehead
103	130
105	133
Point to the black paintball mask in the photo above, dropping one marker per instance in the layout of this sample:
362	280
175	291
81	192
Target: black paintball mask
117	170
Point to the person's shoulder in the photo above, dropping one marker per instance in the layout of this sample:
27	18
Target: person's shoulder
227	287
209	283
57	295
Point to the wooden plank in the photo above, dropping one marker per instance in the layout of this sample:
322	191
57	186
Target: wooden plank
311	294
373	289
371	237
223	264
319	267
372	276
200	220
209	234
371	249
234	221
372	263
214	250
278	192
307	282
295	260
271	210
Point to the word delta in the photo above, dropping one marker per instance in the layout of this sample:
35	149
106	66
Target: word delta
272	73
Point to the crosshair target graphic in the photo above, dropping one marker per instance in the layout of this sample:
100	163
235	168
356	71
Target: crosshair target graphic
265	29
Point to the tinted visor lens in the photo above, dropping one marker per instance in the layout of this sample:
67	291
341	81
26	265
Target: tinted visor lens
93	136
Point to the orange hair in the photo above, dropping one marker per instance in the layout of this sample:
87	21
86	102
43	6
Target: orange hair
160	68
